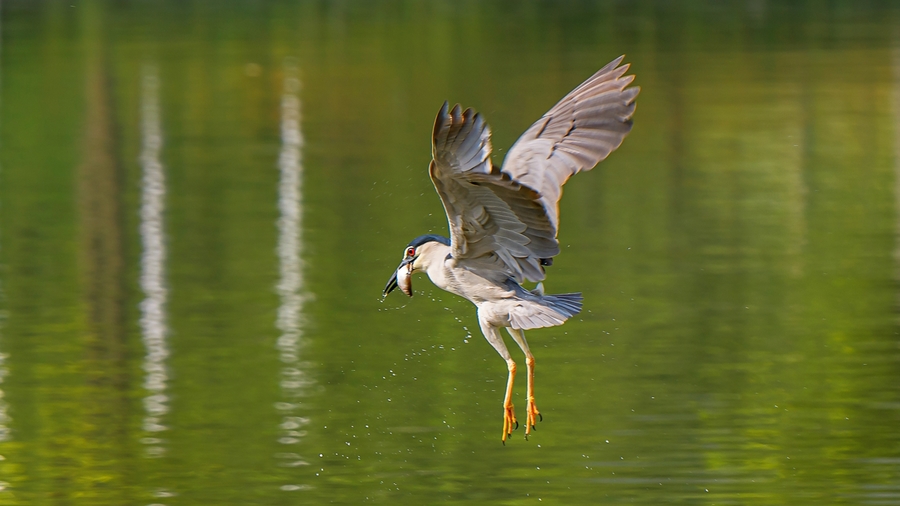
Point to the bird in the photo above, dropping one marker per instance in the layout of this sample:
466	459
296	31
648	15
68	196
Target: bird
504	220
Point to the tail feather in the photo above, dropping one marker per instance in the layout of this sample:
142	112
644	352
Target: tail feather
567	304
534	310
545	311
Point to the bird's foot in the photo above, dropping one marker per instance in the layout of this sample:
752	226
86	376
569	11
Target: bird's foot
509	421
532	415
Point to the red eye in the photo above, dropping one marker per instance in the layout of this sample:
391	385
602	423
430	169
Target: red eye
410	252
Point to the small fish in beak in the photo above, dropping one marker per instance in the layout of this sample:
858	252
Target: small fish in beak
402	277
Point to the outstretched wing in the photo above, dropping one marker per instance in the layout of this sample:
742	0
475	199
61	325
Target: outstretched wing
498	227
579	132
503	223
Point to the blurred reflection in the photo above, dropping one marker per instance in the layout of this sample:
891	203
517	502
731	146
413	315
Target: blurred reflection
4	412
153	258
4	415
290	284
896	92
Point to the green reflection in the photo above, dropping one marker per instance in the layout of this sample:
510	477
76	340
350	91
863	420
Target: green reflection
737	255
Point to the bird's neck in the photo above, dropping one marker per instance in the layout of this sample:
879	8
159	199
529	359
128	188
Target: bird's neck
433	254
432	264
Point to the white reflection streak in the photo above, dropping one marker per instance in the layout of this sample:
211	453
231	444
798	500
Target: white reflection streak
290	284
153	258
4	409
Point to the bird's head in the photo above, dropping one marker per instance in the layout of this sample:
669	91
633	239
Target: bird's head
416	257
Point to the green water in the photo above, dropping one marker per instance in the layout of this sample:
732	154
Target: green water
200	203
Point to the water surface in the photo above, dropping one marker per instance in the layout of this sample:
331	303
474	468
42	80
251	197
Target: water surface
200	203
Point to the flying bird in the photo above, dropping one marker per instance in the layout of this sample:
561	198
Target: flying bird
504	220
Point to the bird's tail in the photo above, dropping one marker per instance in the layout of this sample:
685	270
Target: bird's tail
538	311
566	304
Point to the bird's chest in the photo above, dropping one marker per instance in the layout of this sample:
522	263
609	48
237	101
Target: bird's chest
449	280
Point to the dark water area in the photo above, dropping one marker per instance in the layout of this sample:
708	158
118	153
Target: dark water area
200	203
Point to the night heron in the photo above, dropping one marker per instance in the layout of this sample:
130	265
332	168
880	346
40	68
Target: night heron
504	221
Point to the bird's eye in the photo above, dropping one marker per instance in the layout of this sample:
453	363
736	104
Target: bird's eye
410	252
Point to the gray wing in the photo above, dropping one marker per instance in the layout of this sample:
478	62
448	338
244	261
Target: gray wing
498	227
580	131
503	223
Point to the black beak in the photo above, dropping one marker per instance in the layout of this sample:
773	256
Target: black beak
391	284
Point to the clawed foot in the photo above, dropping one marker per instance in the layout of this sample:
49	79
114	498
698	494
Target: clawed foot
531	417
509	422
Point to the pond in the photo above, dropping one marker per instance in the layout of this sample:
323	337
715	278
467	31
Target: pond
200	203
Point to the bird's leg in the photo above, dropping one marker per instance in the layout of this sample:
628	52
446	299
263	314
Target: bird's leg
509	416
531	411
509	413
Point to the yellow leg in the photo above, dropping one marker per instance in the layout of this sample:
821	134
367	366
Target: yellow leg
532	415
509	414
493	336
531	411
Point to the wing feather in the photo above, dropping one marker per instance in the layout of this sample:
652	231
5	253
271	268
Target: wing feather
504	222
576	134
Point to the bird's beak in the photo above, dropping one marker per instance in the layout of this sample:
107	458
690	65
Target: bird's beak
402	277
